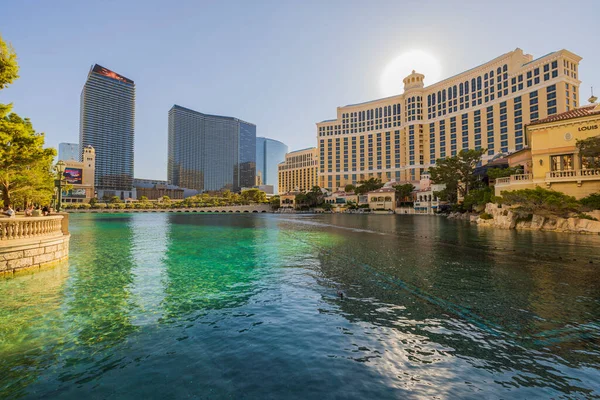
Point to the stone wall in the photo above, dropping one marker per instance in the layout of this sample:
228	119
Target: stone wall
507	218
31	250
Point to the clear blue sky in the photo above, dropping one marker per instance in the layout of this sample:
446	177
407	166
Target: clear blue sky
283	65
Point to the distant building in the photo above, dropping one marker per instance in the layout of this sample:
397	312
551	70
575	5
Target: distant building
288	199
269	153
107	123
68	151
383	199
299	171
156	189
80	176
210	152
553	160
425	198
486	107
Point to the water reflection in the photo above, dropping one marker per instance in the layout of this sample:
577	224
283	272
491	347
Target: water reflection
180	305
31	327
474	301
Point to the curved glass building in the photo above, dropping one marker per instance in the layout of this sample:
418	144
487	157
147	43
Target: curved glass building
269	153
210	152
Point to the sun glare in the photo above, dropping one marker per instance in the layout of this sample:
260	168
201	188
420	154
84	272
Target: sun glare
401	66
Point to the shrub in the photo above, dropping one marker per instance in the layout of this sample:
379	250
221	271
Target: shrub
86	206
476	199
100	206
591	202
121	206
485	215
541	201
585	216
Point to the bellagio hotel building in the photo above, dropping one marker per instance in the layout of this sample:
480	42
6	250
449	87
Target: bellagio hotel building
400	137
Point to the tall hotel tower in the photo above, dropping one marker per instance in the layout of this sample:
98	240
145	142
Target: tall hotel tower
269	153
399	137
107	124
210	152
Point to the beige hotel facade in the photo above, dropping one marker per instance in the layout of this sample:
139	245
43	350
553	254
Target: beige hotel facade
399	137
299	170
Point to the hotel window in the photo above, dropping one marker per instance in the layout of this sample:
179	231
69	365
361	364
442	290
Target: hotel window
563	162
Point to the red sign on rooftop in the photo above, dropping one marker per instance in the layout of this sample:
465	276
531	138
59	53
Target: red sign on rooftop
111	74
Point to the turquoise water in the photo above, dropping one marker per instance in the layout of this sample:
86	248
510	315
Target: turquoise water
247	306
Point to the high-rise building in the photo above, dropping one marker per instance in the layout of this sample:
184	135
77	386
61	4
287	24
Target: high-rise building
299	171
210	152
399	137
107	123
269	153
68	151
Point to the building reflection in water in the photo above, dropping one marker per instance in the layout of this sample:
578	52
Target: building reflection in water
149	243
31	326
450	293
100	303
210	264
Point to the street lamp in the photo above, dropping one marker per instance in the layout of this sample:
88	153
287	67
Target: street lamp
60	170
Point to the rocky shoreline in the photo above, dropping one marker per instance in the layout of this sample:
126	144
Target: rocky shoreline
507	218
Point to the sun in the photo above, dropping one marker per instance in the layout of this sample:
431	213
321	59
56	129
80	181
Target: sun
400	67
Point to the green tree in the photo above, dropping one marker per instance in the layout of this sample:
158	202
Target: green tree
368	185
143	199
541	201
166	199
326	206
495	173
275	202
404	191
115	200
9	68
591	202
25	166
478	198
254	196
301	200
352	205
349	188
589	149
456	173
314	197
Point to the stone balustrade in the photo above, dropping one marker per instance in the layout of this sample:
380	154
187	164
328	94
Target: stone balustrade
573	175
29	243
513	179
30	227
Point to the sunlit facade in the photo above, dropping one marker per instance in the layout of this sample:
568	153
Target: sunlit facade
553	160
399	137
299	171
210	152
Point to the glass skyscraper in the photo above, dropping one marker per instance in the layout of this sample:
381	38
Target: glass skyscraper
68	151
210	152
269	153
107	124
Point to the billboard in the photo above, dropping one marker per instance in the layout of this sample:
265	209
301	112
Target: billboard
74	193
73	175
111	74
